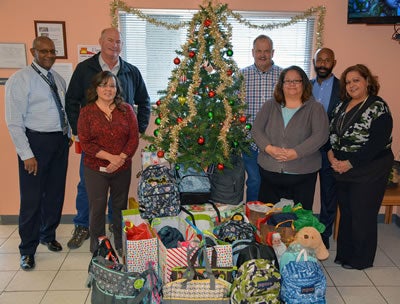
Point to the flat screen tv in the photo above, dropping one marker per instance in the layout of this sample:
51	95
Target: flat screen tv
373	11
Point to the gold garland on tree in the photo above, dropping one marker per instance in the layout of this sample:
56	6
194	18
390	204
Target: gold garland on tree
320	11
173	131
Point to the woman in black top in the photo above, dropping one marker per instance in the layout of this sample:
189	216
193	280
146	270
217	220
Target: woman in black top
362	158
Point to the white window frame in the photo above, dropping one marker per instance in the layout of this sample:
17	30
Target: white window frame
293	44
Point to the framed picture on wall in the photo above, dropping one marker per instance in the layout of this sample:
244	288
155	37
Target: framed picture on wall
55	30
12	55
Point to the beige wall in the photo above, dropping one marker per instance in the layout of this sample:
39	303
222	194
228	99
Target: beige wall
371	45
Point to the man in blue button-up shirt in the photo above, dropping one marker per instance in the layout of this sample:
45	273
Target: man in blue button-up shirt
34	124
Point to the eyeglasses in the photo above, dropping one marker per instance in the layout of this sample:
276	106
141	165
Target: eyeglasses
45	52
105	85
294	81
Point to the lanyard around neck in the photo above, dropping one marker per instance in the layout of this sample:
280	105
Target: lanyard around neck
52	85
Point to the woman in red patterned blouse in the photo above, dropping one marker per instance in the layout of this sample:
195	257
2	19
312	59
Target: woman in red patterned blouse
109	135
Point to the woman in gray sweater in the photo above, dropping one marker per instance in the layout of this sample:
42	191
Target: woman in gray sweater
289	130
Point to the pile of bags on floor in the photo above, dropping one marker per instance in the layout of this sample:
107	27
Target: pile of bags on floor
172	259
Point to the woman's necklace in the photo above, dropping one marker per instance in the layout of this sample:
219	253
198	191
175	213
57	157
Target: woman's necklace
342	117
107	110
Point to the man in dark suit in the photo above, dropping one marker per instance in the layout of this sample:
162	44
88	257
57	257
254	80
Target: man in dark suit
326	91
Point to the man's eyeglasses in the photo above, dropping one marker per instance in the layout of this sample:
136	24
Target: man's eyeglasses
294	81
45	52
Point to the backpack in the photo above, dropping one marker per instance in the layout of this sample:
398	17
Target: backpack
158	193
194	185
303	281
235	229
245	250
257	281
227	186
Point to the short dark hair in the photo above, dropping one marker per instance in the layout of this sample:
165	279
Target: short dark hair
307	87
373	84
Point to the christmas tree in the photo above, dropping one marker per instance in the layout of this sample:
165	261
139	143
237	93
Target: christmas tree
200	116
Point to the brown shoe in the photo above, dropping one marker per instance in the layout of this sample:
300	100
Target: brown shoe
78	237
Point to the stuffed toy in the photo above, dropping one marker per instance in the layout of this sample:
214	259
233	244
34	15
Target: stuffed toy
275	241
310	238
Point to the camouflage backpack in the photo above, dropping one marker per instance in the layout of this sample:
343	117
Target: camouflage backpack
158	193
257	281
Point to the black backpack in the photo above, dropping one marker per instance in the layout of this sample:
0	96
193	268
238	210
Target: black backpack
193	183
245	250
227	186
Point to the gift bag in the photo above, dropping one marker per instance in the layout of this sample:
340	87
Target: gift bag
133	216
139	252
221	268
111	286
203	222
279	220
285	228
174	257
256	210
192	289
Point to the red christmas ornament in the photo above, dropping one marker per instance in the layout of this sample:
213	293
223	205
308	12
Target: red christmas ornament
207	22
229	72
160	154
220	166
200	140
192	54
158	102
211	94
179	120
182	79
242	119
177	61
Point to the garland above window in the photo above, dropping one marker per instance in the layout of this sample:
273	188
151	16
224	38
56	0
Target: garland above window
319	11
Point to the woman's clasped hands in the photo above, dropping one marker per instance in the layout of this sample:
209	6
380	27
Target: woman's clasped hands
281	154
116	161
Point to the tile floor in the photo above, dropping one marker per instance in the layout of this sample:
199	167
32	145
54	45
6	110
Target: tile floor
60	277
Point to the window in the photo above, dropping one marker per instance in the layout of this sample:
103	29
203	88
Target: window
152	48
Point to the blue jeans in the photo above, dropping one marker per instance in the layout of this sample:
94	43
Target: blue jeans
82	202
253	175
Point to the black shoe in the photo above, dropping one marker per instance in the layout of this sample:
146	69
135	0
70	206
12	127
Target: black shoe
53	245
338	262
347	266
27	262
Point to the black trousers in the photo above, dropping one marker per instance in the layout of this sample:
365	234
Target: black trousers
42	196
298	187
359	204
328	196
98	185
